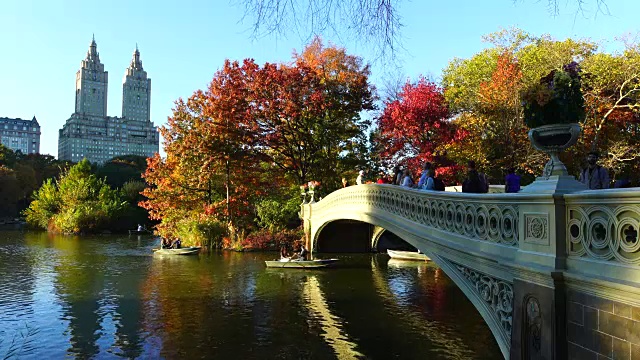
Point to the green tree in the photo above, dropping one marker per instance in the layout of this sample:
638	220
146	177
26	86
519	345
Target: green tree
279	211
7	156
77	202
122	169
9	191
611	87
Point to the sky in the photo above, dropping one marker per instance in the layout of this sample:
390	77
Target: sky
183	43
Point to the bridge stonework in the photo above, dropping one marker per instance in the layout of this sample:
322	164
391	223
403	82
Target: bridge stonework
553	270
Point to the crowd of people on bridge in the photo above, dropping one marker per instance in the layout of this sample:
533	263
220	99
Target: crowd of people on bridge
594	176
476	182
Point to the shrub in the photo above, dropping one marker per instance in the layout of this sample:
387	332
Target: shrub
201	231
268	240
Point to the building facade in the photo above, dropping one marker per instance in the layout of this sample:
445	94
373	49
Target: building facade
20	135
90	133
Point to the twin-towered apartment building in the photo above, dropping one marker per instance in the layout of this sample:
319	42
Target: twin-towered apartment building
89	132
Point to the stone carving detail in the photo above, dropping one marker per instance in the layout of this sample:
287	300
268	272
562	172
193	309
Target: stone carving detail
604	232
496	222
532	334
537	228
496	293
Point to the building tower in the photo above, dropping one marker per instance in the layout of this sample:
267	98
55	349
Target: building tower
89	133
136	91
91	84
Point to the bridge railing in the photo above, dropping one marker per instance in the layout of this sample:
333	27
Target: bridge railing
602	227
492	218
603	233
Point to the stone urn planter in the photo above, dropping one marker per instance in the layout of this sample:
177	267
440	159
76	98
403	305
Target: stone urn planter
553	139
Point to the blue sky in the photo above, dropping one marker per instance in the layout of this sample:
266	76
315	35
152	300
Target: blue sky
183	43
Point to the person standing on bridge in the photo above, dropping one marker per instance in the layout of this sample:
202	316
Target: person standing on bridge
397	175
406	178
512	181
594	175
423	178
475	182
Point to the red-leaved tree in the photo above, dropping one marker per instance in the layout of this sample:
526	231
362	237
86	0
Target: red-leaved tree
415	127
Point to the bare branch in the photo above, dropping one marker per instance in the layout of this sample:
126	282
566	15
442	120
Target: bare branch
376	23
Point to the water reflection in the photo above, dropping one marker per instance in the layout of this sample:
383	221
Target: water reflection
108	296
79	288
330	323
417	294
17	286
397	290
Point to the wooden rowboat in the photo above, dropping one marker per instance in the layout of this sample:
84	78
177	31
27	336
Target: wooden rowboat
192	250
407	255
301	264
138	232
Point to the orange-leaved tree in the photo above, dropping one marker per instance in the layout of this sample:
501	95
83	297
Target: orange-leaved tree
211	172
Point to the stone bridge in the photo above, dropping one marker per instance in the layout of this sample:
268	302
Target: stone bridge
554	270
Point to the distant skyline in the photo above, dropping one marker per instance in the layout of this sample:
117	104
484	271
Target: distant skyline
183	44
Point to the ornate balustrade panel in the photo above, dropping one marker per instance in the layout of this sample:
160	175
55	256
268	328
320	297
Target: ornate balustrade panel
488	217
604	225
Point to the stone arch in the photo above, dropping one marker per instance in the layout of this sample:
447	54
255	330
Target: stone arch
331	237
382	239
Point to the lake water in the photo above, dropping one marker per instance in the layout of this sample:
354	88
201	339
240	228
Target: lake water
106	297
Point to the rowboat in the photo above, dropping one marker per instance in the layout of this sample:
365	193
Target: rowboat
139	232
192	250
407	255
300	264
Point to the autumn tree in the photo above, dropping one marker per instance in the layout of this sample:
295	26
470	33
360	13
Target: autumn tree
611	87
341	130
484	91
494	134
255	131
415	128
211	170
